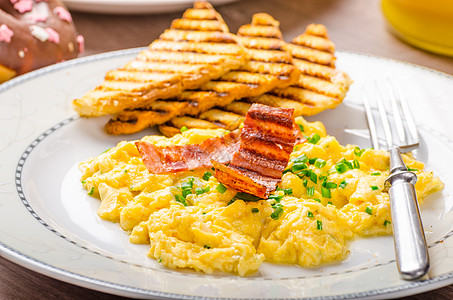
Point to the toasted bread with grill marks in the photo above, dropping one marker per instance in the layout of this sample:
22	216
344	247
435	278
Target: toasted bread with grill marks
320	86
269	66
197	48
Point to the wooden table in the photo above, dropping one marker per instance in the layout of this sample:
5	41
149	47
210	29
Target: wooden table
354	25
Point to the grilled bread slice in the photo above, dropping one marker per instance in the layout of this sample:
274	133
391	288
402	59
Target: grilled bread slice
320	86
270	66
197	48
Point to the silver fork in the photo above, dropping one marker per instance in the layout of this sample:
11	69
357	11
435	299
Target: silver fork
408	236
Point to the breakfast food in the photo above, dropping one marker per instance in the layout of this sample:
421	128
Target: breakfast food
318	87
34	34
327	195
197	48
269	66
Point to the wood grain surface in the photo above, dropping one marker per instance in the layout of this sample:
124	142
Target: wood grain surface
355	25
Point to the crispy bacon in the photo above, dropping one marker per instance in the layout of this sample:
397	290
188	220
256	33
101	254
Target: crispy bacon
188	157
266	142
251	161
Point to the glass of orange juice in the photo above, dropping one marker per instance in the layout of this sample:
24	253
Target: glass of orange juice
427	24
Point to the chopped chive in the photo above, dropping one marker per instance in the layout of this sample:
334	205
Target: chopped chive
207	175
343	184
186	193
313	177
305	182
330	185
320	163
312	160
375	174
356	164
91	191
207	247
341	167
288	191
323	176
310	214
83	181
325	192
374	188
247	197
411	170
187	185
387	222
181	199
314	139
310	191
183	129
369	210
301	127
286	171
317	200
303	158
207	189
221	188
255	210
330	203
298	166
159	260
276	197
277	212
199	191
318	225
125	171
358	151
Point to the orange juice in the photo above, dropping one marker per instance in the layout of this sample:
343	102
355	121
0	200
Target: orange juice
427	24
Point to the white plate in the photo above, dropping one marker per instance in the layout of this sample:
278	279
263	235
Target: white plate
48	223
133	6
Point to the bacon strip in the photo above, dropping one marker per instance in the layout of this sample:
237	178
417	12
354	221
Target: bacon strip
188	157
267	140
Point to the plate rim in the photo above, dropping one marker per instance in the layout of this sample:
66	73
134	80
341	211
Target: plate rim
113	288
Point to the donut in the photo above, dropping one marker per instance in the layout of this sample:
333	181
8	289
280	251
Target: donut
34	34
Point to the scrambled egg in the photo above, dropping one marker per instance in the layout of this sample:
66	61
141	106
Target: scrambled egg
328	195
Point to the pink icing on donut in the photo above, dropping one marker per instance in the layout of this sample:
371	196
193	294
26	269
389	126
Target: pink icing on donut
5	34
53	36
81	43
23	6
63	14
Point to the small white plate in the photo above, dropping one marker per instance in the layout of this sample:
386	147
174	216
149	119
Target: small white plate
49	224
133	6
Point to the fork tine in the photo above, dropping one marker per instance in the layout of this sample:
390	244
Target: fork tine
384	119
410	123
397	118
370	121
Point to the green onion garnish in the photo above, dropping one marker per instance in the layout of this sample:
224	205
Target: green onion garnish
207	189
301	127
374	188
276	197
318	225
313	177
184	128
330	203
358	151
255	210
298	166
356	164
207	247
375	174
317	200
329	185
181	199
159	260
231	201
91	191
310	191
387	222
199	191
325	192
278	210
312	160
341	167
314	139
221	188
207	175
305	182
186	193
369	210
319	163
310	214
247	197
343	184
411	170
303	158
288	191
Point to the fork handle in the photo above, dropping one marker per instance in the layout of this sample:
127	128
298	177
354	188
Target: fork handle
410	244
